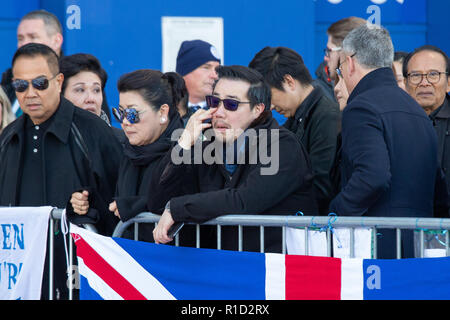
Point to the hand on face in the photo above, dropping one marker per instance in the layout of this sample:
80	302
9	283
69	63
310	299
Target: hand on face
195	126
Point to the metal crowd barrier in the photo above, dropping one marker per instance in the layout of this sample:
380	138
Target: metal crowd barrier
54	216
399	224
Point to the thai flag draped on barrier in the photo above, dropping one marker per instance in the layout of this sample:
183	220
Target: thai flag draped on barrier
115	268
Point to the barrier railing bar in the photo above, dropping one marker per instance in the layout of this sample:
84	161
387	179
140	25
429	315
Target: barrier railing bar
71	275
328	242
197	236
375	242
283	237
136	231
399	243
240	238
261	239
306	241
422	240
446	243
219	237
50	264
352	242
303	221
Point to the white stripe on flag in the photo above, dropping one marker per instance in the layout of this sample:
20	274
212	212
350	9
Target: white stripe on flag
275	276
352	279
124	264
97	283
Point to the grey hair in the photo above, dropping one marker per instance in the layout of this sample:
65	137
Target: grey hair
51	22
372	45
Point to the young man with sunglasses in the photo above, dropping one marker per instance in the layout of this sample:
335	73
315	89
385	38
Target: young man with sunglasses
426	77
55	149
200	191
389	147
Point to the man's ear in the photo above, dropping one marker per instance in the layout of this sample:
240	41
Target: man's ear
60	80
258	109
289	82
351	65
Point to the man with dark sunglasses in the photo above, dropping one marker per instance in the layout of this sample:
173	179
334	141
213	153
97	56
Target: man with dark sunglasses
55	149
240	179
389	165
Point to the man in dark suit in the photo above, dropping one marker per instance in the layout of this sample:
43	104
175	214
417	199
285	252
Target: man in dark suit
389	147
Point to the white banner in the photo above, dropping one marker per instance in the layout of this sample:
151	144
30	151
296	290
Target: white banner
23	244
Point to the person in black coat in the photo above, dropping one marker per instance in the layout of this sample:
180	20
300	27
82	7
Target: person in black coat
229	172
312	117
53	149
389	147
148	119
153	94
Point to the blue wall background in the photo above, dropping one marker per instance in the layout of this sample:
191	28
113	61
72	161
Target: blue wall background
126	34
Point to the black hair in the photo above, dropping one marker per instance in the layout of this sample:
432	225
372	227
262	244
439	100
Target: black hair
179	90
259	92
32	50
424	48
399	56
72	65
276	62
154	86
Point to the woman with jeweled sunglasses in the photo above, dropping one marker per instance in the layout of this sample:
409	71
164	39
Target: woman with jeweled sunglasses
148	115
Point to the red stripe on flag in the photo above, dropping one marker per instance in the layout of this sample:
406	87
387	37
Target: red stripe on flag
313	278
104	270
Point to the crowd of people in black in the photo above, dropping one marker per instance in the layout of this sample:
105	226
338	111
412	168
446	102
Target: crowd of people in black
367	137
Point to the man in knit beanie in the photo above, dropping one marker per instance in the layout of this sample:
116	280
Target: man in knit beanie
196	62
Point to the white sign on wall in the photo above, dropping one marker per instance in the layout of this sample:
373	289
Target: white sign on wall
175	30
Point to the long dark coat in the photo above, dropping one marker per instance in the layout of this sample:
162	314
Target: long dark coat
212	191
389	157
66	169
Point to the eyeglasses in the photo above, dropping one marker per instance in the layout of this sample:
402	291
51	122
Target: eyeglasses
327	50
432	77
338	69
229	104
131	114
40	83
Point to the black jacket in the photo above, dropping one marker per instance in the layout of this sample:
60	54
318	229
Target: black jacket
66	169
315	124
389	157
201	192
441	122
135	174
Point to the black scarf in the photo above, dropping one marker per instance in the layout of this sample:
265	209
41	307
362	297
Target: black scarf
143	155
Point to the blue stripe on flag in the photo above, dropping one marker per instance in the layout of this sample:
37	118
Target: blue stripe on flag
410	279
201	274
86	292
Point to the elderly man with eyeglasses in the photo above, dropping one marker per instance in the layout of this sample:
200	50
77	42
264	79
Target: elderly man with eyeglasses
389	147
426	71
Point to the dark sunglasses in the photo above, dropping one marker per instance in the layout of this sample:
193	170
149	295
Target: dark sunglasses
229	104
131	114
40	83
